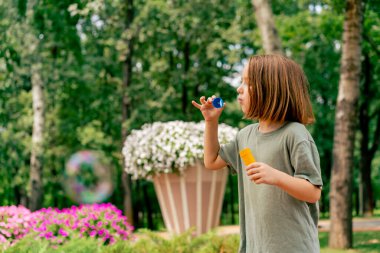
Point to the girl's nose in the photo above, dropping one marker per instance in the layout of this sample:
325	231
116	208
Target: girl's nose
239	89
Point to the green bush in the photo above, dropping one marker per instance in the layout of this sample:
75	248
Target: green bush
152	242
147	241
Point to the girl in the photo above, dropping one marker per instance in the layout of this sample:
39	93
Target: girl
278	193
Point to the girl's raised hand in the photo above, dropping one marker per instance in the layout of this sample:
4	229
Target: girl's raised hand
209	112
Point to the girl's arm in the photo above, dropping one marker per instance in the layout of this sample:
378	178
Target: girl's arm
211	143
299	188
211	147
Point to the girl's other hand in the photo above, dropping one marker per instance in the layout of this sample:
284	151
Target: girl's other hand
209	112
262	173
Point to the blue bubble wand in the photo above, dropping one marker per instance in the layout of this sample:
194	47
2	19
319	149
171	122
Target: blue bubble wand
218	102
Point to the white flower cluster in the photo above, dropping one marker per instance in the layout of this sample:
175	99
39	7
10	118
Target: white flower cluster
166	147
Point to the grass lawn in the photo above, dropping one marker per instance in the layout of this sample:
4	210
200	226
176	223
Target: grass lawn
364	242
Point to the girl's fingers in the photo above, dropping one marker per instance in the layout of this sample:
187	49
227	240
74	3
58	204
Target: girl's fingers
204	101
257	179
196	104
257	176
253	165
252	172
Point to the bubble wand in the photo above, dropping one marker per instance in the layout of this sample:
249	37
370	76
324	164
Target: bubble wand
217	102
246	156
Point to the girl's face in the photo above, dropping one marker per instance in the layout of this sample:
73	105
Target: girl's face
242	90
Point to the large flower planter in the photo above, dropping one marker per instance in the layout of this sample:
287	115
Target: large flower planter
193	199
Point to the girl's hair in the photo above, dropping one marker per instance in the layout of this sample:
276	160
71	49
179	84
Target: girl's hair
278	89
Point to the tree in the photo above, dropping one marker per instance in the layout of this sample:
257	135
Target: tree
344	132
367	149
265	22
369	110
127	79
35	180
36	190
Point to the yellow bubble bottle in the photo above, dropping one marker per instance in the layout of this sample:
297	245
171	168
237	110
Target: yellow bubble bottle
246	156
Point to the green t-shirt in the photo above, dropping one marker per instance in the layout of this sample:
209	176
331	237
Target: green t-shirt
272	221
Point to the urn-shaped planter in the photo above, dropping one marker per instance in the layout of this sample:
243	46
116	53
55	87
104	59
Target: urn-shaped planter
170	154
192	199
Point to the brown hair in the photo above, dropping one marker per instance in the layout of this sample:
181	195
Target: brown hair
278	90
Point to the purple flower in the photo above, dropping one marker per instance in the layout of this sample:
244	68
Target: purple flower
63	232
49	235
57	226
93	233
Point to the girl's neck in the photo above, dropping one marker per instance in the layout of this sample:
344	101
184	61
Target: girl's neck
266	126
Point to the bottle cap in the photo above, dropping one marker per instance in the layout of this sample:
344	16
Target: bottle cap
217	102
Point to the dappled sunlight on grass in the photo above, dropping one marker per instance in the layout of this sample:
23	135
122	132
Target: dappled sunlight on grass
327	250
364	242
376	213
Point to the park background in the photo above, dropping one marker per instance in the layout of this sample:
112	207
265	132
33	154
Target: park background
106	67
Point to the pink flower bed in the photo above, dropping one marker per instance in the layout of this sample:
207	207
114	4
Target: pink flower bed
102	221
14	224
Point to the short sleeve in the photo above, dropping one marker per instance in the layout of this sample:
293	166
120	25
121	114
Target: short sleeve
229	153
306	163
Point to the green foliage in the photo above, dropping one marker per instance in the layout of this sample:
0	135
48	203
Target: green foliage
147	242
29	245
152	242
78	245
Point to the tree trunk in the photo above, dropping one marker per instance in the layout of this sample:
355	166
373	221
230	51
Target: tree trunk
366	201
186	55
148	206
127	78
323	204
138	212
345	124
265	22
35	180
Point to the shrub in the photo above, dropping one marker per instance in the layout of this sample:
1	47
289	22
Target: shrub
14	224
167	147
101	222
